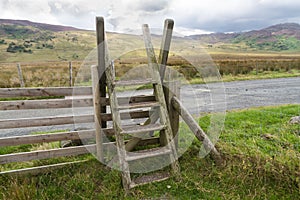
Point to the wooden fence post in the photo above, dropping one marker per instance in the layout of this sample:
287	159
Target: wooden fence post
97	111
101	62
171	89
20	75
71	73
165	47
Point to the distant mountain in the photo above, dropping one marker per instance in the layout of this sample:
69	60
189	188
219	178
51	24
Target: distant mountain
41	26
34	39
278	37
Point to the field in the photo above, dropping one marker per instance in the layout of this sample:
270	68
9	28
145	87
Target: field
261	150
231	67
44	57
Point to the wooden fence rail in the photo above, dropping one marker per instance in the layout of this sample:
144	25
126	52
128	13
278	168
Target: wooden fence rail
44	92
46	154
81	98
34	139
62	152
46	121
45	104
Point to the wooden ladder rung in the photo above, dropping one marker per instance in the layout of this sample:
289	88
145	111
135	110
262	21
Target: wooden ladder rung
134	82
142	128
138	105
156	177
147	153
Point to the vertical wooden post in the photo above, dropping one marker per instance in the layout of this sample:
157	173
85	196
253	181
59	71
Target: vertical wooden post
101	62
97	112
71	73
162	60
165	46
20	75
171	89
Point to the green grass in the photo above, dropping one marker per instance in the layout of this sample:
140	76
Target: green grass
252	76
260	147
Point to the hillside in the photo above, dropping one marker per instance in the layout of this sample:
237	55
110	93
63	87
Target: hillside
25	41
41	26
280	37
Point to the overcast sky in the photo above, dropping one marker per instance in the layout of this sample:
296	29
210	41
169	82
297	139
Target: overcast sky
191	16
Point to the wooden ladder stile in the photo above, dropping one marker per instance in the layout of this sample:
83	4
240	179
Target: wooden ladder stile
163	126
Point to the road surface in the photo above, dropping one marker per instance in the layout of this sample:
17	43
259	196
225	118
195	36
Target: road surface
197	98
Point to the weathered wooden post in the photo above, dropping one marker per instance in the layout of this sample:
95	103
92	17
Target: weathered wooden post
172	89
97	112
197	130
20	75
101	62
169	86
71	73
165	47
99	87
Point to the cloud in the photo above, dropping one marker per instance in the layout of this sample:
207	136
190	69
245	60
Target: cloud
126	15
152	6
233	15
30	9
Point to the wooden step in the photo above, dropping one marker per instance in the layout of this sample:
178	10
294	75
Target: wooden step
147	153
145	179
142	129
134	82
138	105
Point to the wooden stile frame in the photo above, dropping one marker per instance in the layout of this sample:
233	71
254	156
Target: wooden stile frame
95	97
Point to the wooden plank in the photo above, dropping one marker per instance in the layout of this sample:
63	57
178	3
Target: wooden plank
67	103
165	46
134	82
148	153
135	99
126	100
146	142
46	121
40	169
97	113
171	89
138	105
142	129
44	92
126	115
196	129
46	154
71	73
52	137
45	104
121	152
101	50
50	121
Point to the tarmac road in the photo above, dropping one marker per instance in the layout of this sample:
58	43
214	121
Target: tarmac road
216	97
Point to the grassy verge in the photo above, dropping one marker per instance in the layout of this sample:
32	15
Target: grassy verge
261	149
253	76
